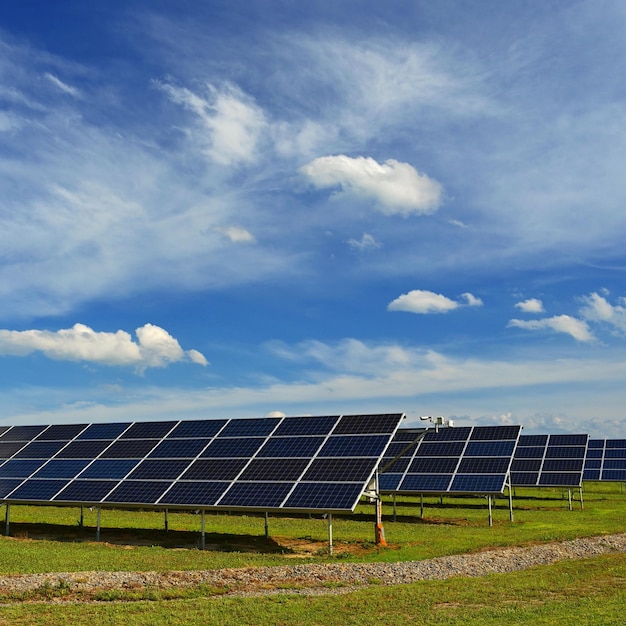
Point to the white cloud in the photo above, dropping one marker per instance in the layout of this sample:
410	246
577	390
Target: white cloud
367	242
578	329
599	309
155	347
230	122
397	188
532	305
421	301
236	234
64	87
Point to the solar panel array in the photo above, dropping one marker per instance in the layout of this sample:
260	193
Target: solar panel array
606	460
474	459
292	463
549	460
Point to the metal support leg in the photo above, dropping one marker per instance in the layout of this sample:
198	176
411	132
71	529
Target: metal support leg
510	504
582	506
202	533
489	507
7	519
330	533
267	525
422	505
395	512
98	525
569	499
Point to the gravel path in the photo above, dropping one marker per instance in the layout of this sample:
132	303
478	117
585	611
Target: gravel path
306	578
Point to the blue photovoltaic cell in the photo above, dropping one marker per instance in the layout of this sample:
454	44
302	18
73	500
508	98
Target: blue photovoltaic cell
422	483
443	448
281	447
138	491
62	469
529	453
82	449
389	482
569	440
129	449
524	478
7	485
109	468
366	424
484	466
533	440
409	435
338	470
591	474
401	447
565	452
593	464
61	432
148	430
19	468
325	496
490	448
214	469
560	479
86	491
616	443
613	453
448	434
354	445
594	454
204	493
179	448
596	443
614	464
270	495
104	431
40	449
200	429
562	465
8	449
250	427
614	474
3	430
164	470
22	433
270	470
526	465
431	465
232	448
487	433
478	483
398	465
306	426
40	490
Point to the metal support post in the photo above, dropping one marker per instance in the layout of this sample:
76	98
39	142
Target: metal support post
395	512
422	505
267	525
582	506
489	507
330	533
569	499
202	533
510	504
7	519
98	525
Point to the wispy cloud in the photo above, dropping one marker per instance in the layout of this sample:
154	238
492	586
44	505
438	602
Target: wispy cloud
154	347
64	87
396	188
578	329
367	242
598	309
421	301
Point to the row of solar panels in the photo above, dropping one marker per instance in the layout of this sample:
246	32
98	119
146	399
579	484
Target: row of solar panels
486	459
294	463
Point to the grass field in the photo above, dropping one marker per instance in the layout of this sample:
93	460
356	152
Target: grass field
48	539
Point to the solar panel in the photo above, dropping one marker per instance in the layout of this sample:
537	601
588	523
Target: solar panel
301	463
558	460
472	459
605	460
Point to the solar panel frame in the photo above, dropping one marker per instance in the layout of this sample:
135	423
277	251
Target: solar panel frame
605	460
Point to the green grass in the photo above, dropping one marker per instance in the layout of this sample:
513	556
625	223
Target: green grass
48	539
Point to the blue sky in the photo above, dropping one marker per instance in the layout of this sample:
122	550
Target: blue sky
230	209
